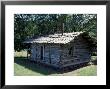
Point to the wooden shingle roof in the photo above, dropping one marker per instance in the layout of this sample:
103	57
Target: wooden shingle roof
55	38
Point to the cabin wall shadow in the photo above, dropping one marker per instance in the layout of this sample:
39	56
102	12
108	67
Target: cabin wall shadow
45	69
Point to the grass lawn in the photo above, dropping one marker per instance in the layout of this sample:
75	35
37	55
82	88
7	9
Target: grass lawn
23	67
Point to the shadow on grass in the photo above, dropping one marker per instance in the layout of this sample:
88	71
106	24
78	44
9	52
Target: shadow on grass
23	61
43	69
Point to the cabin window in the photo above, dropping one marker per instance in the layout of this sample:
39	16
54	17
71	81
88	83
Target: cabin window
71	51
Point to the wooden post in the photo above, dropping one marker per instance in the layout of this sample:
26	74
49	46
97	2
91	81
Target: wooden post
27	52
44	52
49	55
60	55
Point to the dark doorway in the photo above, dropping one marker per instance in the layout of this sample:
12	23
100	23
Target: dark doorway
71	51
41	52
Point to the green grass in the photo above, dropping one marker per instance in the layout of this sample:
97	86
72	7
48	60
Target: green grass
86	71
23	67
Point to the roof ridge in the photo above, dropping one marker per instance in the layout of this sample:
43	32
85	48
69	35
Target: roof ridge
55	38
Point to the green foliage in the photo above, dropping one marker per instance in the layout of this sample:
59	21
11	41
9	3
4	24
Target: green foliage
31	25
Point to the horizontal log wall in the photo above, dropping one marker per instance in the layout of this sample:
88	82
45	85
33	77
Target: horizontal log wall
80	50
51	54
58	54
33	52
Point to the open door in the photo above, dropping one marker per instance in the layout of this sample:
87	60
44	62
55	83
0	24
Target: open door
42	52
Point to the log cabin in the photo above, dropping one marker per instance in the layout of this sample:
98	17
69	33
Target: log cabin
61	50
